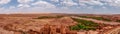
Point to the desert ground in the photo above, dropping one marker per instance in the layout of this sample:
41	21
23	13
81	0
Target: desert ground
59	24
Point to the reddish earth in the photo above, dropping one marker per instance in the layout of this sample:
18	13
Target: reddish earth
26	24
29	25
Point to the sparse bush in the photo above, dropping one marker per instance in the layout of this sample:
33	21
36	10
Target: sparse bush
97	18
118	21
44	17
84	25
74	28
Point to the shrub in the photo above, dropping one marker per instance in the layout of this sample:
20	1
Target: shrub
45	17
97	18
84	25
118	21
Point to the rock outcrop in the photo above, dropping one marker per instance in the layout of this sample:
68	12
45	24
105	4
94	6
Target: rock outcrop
41	26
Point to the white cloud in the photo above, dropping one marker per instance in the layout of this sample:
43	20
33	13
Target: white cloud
107	0
44	4
68	3
55	0
25	1
23	6
95	3
91	2
4	1
115	3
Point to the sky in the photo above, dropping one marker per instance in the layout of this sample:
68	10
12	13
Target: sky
60	6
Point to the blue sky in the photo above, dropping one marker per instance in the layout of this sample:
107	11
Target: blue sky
60	6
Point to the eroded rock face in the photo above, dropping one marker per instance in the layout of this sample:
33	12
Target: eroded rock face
66	21
53	29
27	25
2	31
40	26
47	29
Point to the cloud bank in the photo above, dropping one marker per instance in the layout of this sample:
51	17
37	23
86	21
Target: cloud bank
65	6
4	1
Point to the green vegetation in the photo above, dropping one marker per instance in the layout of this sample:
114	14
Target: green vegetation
84	25
97	18
118	21
45	17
